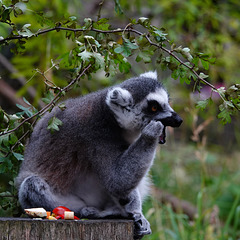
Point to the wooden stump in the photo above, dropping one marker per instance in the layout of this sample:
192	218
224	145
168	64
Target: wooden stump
31	229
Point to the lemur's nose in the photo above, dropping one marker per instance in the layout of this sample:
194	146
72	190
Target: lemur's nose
177	120
173	121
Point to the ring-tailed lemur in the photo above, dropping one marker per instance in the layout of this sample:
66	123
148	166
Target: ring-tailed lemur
97	163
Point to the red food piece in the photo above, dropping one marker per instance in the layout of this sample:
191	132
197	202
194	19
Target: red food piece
60	210
59	217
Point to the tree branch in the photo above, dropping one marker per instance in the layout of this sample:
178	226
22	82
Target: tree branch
119	30
54	100
177	204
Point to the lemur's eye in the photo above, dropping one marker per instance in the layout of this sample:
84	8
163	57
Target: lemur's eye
154	108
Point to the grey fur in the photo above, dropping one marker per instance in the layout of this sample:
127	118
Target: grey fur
97	163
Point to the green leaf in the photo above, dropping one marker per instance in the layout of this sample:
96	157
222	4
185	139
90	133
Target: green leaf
160	36
92	40
144	21
26	32
13	139
62	106
126	48
202	75
26	111
99	60
26	101
18	156
145	56
195	61
5	194
5	15
225	116
73	18
53	124
4	139
182	73
88	23
102	24
186	53
85	55
203	104
221	91
205	64
1	116
124	65
6	164
48	97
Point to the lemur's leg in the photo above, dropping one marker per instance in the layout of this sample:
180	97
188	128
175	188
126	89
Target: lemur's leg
111	212
35	192
133	206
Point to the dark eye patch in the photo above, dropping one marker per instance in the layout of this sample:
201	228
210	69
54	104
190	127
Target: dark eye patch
153	106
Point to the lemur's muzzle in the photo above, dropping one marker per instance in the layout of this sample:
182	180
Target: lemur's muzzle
173	121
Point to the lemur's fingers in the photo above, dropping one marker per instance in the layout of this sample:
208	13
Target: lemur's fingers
153	129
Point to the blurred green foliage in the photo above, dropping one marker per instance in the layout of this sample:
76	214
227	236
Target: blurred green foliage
209	179
51	43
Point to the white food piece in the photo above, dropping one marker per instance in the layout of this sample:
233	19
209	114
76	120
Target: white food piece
68	215
36	212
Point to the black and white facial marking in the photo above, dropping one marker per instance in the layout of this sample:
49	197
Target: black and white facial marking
157	108
133	116
120	101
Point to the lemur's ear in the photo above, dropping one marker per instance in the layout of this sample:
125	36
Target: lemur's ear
150	74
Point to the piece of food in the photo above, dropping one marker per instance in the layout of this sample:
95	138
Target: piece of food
48	214
68	215
60	210
58	216
52	218
36	212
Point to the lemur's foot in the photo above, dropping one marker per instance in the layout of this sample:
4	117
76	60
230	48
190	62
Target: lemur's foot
141	226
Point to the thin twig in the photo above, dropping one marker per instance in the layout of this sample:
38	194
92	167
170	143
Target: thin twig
54	100
20	139
119	30
100	9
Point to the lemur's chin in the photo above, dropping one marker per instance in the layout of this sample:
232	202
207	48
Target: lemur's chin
162	138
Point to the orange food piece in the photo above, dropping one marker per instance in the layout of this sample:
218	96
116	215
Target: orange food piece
48	214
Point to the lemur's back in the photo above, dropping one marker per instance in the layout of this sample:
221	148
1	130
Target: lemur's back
58	155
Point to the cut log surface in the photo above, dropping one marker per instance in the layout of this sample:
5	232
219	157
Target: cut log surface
31	229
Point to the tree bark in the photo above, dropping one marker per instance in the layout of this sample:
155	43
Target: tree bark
31	229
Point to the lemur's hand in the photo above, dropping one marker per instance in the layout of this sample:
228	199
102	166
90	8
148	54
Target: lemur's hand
153	130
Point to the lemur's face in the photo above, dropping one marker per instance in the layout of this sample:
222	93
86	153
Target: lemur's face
156	107
133	116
